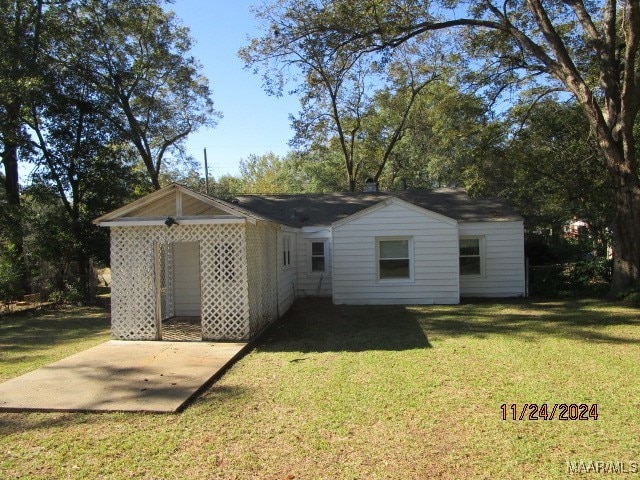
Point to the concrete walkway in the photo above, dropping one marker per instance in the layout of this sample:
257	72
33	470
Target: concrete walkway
121	376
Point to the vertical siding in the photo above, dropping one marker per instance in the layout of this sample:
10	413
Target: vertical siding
435	257
262	275
286	275
186	278
313	284
503	260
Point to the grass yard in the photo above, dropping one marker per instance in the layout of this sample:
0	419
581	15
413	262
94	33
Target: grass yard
28	342
359	392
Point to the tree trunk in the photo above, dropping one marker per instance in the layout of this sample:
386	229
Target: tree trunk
626	233
84	276
11	183
82	259
12	188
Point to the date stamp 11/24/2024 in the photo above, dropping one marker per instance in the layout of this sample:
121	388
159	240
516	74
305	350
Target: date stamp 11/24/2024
551	411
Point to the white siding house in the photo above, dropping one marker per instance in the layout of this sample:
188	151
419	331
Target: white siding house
501	255
287	268
315	267
239	265
428	275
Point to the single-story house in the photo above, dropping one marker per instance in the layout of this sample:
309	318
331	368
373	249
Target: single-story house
239	265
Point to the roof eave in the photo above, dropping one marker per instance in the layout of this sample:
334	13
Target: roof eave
168	190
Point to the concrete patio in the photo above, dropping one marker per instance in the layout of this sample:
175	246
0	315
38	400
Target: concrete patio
122	376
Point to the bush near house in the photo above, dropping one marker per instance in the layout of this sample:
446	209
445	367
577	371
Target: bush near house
561	267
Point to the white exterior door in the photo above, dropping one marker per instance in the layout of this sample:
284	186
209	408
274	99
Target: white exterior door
186	279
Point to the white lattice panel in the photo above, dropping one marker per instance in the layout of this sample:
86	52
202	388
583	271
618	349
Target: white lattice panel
168	279
138	275
163	266
225	305
262	263
133	300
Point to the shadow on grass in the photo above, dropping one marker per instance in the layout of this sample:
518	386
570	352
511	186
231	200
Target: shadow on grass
316	325
32	332
20	422
530	319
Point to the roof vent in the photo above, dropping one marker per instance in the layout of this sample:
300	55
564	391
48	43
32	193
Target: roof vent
370	185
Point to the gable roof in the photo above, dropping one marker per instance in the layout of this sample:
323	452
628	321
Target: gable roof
325	209
397	202
174	200
313	209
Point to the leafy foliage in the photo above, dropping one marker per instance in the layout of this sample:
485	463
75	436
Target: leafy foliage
566	180
590	50
135	55
10	273
100	96
335	86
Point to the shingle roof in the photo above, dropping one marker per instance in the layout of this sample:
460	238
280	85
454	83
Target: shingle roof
325	209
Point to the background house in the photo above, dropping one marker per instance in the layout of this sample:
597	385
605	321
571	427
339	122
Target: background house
238	266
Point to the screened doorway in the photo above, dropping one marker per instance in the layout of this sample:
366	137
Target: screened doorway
184	284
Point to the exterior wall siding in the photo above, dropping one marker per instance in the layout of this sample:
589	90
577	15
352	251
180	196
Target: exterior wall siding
310	283
287	277
435	258
186	278
261	275
503	274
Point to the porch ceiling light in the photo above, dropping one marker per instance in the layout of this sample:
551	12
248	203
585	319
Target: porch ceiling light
170	221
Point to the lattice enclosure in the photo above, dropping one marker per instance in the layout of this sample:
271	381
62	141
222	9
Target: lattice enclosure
141	264
262	258
223	276
164	275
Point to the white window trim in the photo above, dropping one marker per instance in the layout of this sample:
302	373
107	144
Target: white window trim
311	241
411	278
286	248
483	256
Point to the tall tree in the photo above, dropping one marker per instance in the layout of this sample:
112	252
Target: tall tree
566	180
138	56
21	28
589	49
335	84
21	25
70	136
445	133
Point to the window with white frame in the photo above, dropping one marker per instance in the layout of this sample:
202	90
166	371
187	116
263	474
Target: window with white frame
394	258
471	256
317	257
286	251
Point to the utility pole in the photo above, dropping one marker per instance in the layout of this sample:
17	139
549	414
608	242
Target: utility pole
206	173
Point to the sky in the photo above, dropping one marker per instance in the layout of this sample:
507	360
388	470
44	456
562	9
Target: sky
252	121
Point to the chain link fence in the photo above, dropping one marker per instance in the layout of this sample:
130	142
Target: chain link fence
589	277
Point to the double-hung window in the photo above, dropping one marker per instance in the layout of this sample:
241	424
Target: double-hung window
317	257
394	258
471	256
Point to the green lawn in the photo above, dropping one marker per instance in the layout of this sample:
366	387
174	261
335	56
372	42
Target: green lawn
360	392
33	340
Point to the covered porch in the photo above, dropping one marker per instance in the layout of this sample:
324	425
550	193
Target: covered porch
189	267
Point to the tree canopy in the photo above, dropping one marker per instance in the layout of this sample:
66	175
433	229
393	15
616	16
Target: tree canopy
99	97
591	50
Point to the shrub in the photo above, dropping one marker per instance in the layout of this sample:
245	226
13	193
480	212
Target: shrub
587	277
